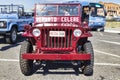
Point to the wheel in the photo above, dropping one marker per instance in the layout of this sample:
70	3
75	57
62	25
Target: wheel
12	36
102	29
26	66
88	65
94	29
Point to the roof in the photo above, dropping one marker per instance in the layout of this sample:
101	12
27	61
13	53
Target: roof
83	3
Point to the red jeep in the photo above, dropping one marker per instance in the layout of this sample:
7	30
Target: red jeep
58	34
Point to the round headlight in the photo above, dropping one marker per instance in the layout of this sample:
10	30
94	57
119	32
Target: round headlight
1	24
36	32
77	32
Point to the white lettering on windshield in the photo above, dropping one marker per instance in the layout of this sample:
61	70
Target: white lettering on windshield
57	19
69	19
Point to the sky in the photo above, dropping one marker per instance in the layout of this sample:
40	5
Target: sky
29	4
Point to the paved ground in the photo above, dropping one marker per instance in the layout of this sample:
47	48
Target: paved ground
107	61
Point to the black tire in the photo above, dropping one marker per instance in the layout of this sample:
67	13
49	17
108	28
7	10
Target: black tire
12	36
26	66
94	29
88	65
102	30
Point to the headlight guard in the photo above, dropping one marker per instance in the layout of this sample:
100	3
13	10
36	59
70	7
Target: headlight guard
77	32
36	32
3	24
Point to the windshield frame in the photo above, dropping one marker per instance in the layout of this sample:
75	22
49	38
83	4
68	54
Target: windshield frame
57	5
58	19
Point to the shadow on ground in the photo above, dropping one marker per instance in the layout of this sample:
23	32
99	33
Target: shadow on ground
57	68
8	46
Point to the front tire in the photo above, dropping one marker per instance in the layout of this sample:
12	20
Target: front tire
102	30
12	36
88	65
26	66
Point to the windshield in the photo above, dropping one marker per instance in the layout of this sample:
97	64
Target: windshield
97	10
56	10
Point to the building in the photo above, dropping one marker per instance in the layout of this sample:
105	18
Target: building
112	9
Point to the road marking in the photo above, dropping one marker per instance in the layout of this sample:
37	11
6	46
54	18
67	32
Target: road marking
112	31
112	42
106	64
10	60
100	33
107	53
98	64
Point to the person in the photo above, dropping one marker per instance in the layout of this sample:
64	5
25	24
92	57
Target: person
66	13
92	11
85	14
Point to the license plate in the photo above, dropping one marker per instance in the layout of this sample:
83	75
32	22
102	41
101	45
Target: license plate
57	33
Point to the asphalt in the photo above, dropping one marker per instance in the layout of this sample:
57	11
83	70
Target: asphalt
107	61
106	47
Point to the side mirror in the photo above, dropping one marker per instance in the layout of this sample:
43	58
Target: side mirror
32	14
105	13
85	26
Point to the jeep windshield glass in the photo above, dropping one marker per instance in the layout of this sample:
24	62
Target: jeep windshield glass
6	9
56	10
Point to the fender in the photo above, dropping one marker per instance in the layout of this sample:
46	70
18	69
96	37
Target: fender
10	25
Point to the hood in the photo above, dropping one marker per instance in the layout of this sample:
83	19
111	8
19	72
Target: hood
8	16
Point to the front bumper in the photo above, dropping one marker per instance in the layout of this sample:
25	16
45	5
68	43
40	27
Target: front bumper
97	25
73	56
2	33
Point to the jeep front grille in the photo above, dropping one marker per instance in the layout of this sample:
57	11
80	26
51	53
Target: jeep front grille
57	42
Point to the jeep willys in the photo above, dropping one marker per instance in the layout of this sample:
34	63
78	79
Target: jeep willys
57	35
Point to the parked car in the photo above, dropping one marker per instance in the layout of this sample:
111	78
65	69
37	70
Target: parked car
94	13
12	20
116	18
